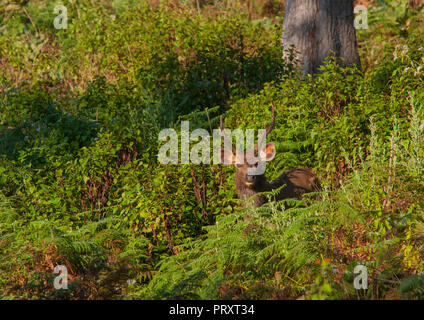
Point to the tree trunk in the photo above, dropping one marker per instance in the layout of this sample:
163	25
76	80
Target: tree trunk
318	29
413	4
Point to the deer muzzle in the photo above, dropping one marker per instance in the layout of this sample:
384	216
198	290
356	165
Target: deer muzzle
250	179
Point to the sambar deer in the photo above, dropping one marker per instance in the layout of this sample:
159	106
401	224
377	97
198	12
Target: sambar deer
297	181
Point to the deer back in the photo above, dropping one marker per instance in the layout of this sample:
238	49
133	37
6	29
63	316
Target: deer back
297	182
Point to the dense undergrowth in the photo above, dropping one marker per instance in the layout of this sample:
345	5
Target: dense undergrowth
80	184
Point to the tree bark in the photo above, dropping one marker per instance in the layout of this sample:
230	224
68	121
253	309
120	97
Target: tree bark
413	4
318	29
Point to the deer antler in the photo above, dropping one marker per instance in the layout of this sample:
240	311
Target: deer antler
227	142
268	128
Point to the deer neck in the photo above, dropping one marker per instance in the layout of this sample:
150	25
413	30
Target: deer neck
244	192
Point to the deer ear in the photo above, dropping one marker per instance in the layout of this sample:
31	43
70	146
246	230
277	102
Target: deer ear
227	157
269	153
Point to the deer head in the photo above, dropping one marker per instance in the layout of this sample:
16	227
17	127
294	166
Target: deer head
249	176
